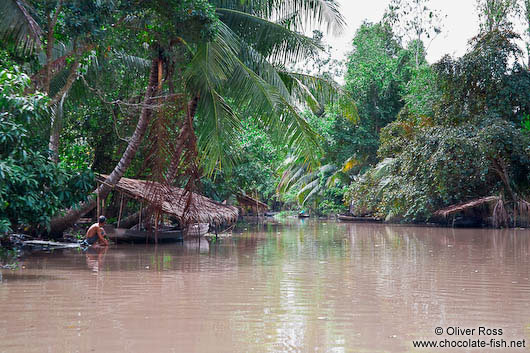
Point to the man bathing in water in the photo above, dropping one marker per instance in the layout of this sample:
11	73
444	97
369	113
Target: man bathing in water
96	233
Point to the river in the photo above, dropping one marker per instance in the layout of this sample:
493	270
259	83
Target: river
302	286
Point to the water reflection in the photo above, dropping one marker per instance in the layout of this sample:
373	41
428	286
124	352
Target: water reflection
303	286
95	255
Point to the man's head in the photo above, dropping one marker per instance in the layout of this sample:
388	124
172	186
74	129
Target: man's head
102	219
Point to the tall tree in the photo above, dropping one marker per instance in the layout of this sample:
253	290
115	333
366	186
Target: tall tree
496	14
526	18
378	69
415	20
468	145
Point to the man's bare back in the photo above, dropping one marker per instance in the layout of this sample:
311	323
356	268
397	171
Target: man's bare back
96	233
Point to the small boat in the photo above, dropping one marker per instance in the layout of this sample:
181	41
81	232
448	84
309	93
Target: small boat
165	234
142	236
350	218
303	215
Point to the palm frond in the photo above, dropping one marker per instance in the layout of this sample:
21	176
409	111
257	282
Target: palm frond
60	50
301	136
307	191
306	178
314	12
103	67
262	67
309	12
218	130
272	40
289	178
219	69
310	88
313	185
58	81
265	97
211	66
213	62
19	26
132	61
273	109
290	21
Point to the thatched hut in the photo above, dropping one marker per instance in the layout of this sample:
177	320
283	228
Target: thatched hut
187	207
491	210
475	212
250	206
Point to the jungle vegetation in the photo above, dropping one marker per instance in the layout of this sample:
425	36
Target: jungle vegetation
210	95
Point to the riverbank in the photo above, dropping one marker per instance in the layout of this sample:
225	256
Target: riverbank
14	241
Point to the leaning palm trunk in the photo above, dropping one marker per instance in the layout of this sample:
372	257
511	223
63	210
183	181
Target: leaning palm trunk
59	224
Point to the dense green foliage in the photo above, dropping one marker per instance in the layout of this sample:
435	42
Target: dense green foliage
256	169
378	72
470	142
32	188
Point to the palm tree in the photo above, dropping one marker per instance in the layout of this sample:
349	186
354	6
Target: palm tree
311	181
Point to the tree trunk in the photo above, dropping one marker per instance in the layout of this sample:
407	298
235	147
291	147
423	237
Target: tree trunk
500	167
56	126
57	121
59	224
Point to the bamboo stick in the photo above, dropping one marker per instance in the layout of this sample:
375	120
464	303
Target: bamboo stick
140	216
157	215
121	210
103	199
98	212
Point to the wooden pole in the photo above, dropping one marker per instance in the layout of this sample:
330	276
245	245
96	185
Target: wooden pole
103	199
99	205
257	204
121	210
157	215
514	214
140	216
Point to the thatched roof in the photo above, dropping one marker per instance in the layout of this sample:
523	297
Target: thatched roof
246	200
173	200
464	206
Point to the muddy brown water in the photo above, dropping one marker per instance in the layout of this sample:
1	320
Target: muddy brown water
299	287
